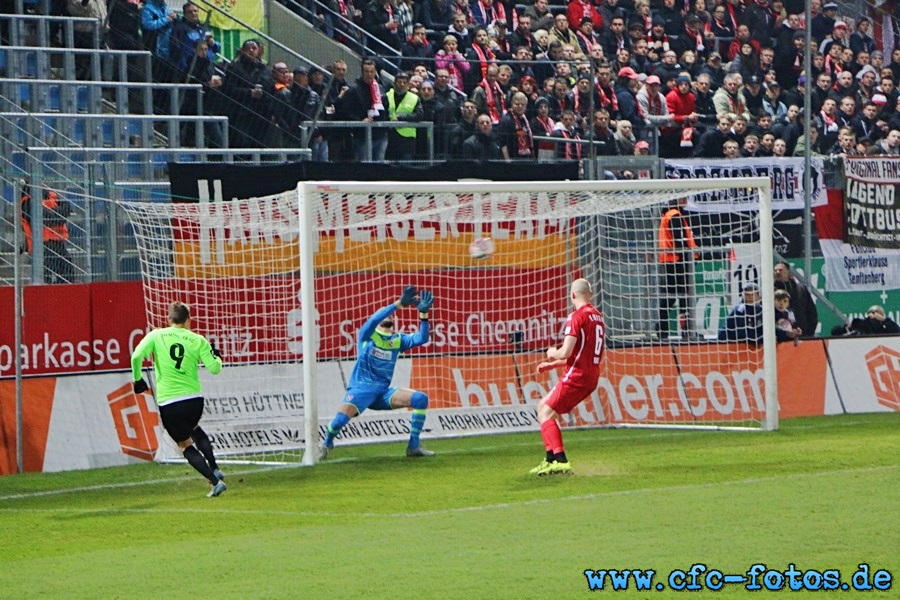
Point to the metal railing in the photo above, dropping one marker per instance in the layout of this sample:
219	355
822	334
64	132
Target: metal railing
34	62
368	127
37	95
79	129
26	28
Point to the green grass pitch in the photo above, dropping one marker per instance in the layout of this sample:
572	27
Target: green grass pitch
470	523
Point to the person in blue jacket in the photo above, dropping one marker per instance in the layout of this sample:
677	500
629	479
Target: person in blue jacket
378	348
745	321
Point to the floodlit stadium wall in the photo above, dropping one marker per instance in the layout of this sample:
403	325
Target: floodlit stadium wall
94	420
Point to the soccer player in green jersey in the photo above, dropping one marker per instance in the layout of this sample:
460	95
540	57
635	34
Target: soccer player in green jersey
177	353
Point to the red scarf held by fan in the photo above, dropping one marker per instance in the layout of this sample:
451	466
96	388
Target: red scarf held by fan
377	105
524	140
494	96
485	57
569	150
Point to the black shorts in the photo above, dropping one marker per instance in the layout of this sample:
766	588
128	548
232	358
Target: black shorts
181	418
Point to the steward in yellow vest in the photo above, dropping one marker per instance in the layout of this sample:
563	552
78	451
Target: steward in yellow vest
402	105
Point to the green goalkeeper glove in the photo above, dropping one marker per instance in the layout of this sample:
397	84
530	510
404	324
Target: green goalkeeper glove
408	297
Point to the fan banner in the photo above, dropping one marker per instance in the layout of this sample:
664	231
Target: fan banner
250	12
854	267
786	174
872	202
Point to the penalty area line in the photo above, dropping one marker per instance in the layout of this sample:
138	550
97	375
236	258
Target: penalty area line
459	510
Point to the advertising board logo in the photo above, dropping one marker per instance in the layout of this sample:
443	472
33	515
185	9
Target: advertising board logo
136	418
884	370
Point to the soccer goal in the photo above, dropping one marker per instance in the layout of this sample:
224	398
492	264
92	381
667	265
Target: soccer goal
282	283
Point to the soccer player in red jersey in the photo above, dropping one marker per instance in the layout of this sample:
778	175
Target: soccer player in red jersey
580	352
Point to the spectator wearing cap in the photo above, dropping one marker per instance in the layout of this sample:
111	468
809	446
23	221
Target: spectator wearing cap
585	35
652	105
753	94
866	82
691	38
657	41
772	103
823	23
745	321
626	88
677	141
789	59
642	148
713	67
838	35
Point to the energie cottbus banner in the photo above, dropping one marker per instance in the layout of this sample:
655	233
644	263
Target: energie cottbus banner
859	230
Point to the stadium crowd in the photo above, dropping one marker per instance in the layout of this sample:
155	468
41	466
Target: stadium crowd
677	78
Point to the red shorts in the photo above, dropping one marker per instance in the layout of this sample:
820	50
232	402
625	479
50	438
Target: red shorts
566	395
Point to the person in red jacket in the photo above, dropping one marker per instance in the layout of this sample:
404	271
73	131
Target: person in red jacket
678	140
58	267
579	9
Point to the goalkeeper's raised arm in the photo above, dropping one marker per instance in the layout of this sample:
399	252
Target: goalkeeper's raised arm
378	348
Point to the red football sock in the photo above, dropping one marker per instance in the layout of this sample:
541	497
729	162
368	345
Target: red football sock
552	436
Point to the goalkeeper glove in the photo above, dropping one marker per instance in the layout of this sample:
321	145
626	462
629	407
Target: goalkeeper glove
426	300
140	386
408	297
215	352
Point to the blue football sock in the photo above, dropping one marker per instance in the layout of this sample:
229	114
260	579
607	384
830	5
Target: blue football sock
335	427
416	423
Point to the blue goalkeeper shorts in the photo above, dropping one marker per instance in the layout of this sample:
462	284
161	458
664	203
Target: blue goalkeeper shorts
374	398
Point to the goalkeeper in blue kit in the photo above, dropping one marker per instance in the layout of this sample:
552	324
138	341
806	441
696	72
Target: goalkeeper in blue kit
378	348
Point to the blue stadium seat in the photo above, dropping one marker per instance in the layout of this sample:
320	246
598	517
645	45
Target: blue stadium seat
107	133
82	99
54	97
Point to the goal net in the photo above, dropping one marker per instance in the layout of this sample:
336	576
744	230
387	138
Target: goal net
281	285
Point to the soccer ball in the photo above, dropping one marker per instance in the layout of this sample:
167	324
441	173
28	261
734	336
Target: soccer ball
481	248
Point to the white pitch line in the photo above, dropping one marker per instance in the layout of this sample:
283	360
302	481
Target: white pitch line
130	484
460	510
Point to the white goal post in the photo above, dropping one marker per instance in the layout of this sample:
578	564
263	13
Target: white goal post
282	284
